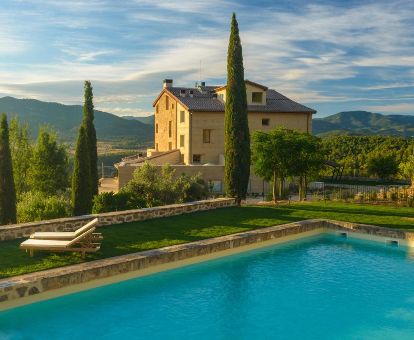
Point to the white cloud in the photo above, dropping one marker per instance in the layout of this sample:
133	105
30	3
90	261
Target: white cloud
292	52
407	108
189	6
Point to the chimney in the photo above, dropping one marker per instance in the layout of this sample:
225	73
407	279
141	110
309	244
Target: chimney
167	83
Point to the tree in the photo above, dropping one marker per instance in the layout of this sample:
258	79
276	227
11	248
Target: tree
353	152
7	189
48	172
236	135
81	184
273	157
283	153
21	152
407	169
88	118
382	166
309	160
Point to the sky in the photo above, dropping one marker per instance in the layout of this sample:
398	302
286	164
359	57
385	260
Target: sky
330	55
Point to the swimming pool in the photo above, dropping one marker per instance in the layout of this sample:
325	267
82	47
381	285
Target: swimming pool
322	287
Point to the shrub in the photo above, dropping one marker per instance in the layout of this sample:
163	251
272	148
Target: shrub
37	206
153	186
109	201
192	188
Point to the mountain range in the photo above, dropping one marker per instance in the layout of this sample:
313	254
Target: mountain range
364	123
65	120
138	131
150	120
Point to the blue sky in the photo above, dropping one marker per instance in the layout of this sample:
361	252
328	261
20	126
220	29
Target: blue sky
330	55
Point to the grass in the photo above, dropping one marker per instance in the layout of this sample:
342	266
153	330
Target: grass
138	236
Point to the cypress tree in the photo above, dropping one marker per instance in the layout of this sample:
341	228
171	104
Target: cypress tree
88	117
236	127
81	184
7	189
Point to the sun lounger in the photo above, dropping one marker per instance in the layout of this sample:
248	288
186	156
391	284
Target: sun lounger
83	243
65	235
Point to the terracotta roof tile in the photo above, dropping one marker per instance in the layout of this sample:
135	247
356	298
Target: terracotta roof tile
205	99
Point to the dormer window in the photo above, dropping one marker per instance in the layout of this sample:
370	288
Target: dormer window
257	97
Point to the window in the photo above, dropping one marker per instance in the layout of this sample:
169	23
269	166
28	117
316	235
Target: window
172	106
156	108
156	128
196	158
206	136
181	141
169	145
215	186
170	129
167	102
182	116
156	146
265	121
257	97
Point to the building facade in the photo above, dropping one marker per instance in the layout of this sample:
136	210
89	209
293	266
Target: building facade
189	129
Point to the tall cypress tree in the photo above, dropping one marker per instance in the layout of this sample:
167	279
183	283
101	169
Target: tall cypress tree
7	189
88	117
81	185
236	127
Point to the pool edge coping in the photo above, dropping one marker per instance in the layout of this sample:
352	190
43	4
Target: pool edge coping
28	288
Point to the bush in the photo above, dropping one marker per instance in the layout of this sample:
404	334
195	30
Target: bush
153	186
109	201
192	188
37	206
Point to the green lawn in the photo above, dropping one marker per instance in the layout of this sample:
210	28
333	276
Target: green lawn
137	236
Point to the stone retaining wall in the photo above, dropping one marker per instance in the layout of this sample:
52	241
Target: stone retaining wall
30	284
15	231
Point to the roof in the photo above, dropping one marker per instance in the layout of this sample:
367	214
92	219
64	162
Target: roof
205	99
247	81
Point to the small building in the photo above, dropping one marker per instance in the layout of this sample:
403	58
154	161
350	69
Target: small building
189	129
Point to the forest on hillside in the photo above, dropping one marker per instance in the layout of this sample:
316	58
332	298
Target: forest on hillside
355	152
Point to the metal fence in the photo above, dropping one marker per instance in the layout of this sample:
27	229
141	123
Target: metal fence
386	194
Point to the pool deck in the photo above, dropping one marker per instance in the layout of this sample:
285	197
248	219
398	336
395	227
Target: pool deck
29	288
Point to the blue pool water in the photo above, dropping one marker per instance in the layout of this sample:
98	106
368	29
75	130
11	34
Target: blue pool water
321	287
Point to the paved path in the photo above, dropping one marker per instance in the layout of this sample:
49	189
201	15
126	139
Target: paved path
108	185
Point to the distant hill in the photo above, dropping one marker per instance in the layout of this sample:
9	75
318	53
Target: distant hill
149	120
364	123
65	119
133	132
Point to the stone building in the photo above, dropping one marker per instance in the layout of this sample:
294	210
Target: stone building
189	129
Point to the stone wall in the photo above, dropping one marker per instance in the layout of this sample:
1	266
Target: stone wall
41	282
15	231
